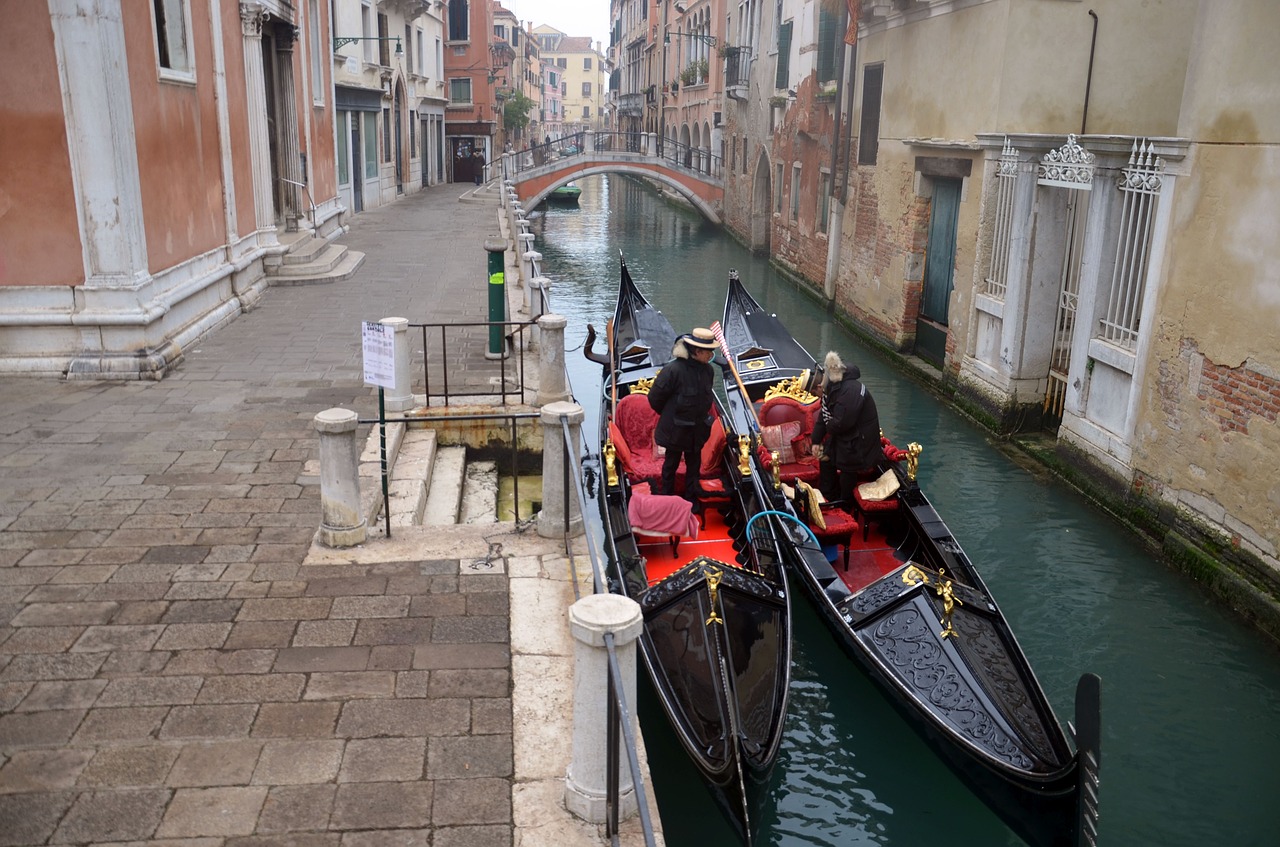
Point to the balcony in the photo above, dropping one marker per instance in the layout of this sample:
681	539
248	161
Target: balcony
737	70
631	104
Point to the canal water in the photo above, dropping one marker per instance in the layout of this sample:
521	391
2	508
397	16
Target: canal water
1191	697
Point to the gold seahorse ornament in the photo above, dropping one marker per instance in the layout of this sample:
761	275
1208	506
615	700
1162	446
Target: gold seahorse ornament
944	589
714	575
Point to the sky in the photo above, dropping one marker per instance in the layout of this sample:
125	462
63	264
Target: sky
572	17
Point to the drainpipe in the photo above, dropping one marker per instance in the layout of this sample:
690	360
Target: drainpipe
1084	119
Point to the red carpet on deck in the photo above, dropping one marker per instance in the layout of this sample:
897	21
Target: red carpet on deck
713	541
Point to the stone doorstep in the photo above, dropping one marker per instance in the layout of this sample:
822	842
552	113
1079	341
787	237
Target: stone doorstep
307	275
305	250
323	262
444	495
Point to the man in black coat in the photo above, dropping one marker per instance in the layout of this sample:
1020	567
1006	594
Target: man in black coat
848	429
682	396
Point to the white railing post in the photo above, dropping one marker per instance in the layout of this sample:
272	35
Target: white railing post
552	386
555	498
530	269
588	142
400	398
586	780
341	523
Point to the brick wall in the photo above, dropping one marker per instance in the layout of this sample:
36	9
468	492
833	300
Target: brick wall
1233	396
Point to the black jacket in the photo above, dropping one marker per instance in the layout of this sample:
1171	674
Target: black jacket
682	396
850	424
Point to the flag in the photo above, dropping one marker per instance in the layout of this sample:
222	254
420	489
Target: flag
851	34
718	332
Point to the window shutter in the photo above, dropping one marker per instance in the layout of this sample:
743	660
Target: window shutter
784	56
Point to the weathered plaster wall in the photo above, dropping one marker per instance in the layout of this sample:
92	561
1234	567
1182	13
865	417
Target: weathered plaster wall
805	137
39	230
175	123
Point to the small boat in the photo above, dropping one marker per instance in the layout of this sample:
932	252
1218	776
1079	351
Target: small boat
713	591
567	193
898	592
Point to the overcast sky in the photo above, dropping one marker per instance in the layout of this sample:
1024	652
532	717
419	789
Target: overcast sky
572	17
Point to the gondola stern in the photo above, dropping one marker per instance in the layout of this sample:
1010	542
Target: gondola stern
1088	734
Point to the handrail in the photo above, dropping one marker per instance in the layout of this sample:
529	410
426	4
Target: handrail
310	200
509	338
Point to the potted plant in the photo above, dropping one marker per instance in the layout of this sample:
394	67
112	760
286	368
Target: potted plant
704	70
690	74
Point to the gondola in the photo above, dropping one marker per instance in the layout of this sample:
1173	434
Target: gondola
716	641
906	603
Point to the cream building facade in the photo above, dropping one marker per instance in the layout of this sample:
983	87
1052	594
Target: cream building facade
584	80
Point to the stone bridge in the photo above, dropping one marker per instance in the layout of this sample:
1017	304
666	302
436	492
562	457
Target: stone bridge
692	172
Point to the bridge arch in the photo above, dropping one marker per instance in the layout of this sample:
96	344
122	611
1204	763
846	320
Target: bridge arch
642	169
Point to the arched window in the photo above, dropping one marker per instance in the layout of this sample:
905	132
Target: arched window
459	20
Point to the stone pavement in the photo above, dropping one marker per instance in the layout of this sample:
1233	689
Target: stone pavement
179	666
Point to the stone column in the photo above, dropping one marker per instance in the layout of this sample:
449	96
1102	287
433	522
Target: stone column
586	781
552	383
400	398
287	143
251	18
341	523
552	517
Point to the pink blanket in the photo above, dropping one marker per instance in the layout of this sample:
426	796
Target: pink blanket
662	513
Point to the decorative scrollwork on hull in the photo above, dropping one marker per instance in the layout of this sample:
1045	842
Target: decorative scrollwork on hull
876	596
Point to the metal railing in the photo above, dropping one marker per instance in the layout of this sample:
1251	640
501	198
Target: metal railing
685	157
310	200
512	329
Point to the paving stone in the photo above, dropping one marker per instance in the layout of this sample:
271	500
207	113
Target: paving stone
128	724
212	811
412	683
85	573
145	572
381	805
50	593
432	656
383	760
99	816
292	839
347	587
174	690
215	662
374	718
131	591
411	631
286	588
176	555
41	639
438	605
193	636
34	729
370	607
471	801
42	770
350	684
11	693
49	558
136	663
295	762
456	682
229	721
197	591
470	630
322	633
292	609
491	717
214	763
62	614
119	767
313	659
247	590
63	694
489	604
295	808
202	611
390	838
384	657
30	818
452	757
140	612
296	720
107	638
250	634
252	688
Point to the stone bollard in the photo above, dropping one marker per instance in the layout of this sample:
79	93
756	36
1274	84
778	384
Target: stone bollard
552	517
341	524
586	781
552	383
539	288
531	268
400	398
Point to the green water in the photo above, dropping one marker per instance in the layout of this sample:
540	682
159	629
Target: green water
1191	697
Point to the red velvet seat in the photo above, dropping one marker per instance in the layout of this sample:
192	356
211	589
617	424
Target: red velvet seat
837	525
775	413
863	508
632	432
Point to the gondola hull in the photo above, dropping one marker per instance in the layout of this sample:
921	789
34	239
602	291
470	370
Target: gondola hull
908	606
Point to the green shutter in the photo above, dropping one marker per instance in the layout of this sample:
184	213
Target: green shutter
826	46
784	56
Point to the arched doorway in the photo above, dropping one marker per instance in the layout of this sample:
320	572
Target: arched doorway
761	215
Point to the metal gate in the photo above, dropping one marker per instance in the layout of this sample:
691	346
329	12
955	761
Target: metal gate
1064	323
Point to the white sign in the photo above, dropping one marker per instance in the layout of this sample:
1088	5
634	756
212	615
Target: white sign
379	354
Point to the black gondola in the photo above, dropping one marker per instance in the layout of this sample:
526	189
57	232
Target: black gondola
906	603
717	618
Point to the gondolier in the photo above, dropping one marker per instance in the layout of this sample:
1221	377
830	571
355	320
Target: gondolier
682	397
848	428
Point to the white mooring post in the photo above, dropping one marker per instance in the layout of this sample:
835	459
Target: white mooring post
586	780
341	524
554	457
400	398
552	386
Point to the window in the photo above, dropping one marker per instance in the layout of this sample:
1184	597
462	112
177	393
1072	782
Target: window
777	190
733	155
384	41
828	44
171	36
782	80
313	47
586	64
795	193
422	64
586	112
408	49
869	126
459	20
439	60
366	31
460	91
386	135
744	154
562	62
371	145
586	89
824	199
413	135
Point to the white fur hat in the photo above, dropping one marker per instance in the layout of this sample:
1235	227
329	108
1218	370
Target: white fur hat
833	364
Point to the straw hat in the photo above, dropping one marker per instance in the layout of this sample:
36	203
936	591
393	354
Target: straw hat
703	338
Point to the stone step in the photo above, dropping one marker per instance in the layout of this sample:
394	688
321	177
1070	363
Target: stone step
371	469
444	494
305	251
411	477
345	269
323	261
480	494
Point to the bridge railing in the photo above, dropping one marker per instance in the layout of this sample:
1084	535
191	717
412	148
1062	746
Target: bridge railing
690	158
699	160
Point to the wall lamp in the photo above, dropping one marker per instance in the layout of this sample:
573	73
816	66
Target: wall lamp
709	40
339	42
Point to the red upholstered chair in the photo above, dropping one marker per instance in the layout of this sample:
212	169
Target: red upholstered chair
634	424
837	526
785	426
712	464
863	508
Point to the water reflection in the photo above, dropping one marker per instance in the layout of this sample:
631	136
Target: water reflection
1190	695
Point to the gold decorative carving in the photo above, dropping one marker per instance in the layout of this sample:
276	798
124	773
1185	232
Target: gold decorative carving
913	458
793	388
913	575
611	463
777	468
642	386
713	575
744	455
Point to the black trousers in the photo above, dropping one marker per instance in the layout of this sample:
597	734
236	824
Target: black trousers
692	457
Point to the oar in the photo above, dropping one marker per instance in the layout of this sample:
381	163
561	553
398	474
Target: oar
718	332
613	369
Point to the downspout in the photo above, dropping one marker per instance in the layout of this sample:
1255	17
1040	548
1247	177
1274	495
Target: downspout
835	214
1088	84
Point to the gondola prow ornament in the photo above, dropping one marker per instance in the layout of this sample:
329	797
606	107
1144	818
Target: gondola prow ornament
914	576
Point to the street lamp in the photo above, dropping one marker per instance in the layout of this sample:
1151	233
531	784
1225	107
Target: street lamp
343	40
709	40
